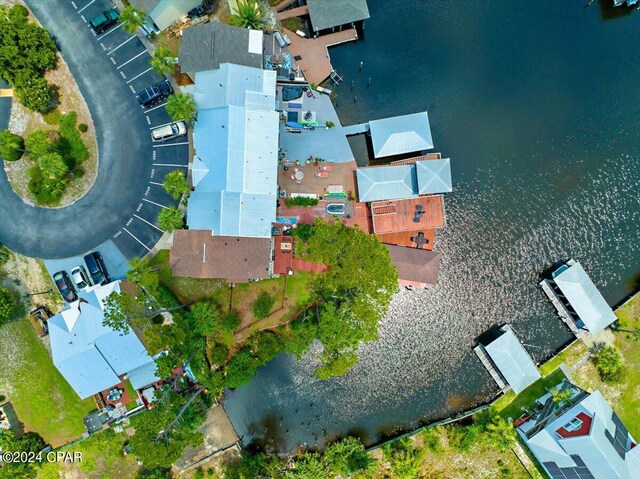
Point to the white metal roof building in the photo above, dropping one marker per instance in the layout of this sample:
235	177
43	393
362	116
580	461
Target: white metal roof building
401	134
587	440
584	297
512	360
235	166
90	355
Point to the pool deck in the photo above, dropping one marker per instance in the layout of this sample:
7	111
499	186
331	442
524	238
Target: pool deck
342	174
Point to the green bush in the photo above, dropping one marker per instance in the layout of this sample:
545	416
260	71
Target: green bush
608	362
218	354
70	144
300	201
11	145
20	11
33	92
78	172
83	127
52	117
241	369
262	306
303	231
230	321
8	305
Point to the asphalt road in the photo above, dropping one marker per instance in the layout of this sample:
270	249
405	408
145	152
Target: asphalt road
124	202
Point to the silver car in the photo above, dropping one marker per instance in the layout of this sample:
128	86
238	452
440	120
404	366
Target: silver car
80	277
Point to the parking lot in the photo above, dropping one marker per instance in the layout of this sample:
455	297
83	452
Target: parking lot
123	204
130	59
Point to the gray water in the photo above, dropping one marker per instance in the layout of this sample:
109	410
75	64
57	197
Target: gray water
537	104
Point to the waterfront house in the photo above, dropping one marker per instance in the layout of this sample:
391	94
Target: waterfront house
577	300
400	135
334	15
92	357
209	45
408	180
508	361
416	268
199	254
161	14
580	438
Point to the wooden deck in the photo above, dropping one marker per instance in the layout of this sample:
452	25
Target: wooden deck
399	215
341	174
294	12
404	238
412	161
312	55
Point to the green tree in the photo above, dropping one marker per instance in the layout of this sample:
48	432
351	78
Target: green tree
309	466
204	318
404	459
303	231
354	293
8	305
181	106
560	394
142	274
132	19
230	321
39	143
502	434
302	334
170	219
11	146
33	92
30	442
608	362
241	369
248	14
53	167
218	354
175	184
347	456
162	60
122	310
263	304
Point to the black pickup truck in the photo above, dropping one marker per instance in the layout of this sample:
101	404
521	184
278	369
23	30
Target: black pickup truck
154	94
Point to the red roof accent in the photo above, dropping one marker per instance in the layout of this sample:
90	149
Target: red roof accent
310	266
283	256
582	431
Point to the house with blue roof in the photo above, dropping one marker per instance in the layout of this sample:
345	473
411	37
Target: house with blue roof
400	135
407	180
93	357
235	164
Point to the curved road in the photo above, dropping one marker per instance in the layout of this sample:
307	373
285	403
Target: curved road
127	195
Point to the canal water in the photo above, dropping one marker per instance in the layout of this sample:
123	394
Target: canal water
537	105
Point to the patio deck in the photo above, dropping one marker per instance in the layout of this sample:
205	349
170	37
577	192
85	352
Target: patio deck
312	55
361	217
294	12
399	215
342	174
404	238
282	257
101	397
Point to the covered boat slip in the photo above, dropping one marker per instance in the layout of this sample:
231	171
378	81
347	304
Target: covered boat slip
508	362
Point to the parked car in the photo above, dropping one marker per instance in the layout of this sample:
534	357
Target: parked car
154	94
104	20
96	268
63	283
80	278
170	131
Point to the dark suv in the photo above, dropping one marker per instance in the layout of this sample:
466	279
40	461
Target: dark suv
63	283
96	268
104	20
155	93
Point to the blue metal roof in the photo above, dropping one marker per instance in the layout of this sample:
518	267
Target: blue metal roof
387	182
88	354
434	176
585	298
144	375
401	134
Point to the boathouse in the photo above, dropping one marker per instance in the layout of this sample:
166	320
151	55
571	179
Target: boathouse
400	135
416	267
508	361
577	300
334	15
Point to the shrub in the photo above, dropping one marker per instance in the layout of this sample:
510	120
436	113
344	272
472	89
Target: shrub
11	146
78	172
329	124
300	201
170	219
52	117
608	362
8	305
70	144
218	354
83	127
33	92
230	321
263	305
303	231
20	11
241	369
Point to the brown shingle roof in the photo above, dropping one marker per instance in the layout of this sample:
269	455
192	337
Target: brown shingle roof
199	254
416	267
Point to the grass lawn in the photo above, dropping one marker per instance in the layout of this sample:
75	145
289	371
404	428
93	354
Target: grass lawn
570	355
527	397
43	400
102	457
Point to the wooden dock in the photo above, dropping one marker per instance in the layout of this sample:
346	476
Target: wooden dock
560	307
486	361
294	12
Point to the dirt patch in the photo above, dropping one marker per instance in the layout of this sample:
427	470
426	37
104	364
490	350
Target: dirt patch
23	121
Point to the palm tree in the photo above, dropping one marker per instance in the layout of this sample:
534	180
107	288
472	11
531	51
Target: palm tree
181	106
11	146
561	394
52	166
170	219
248	14
162	60
132	19
501	433
141	273
175	184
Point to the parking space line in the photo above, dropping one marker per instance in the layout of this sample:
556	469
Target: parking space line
83	19
170	164
172	144
122	44
124	77
138	76
154	203
150	224
112	30
132	90
74	5
156	107
80	11
131	59
155	183
134	237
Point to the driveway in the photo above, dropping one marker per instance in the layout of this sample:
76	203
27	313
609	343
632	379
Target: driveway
125	200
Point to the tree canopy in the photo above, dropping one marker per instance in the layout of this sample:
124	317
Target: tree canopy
162	60
11	146
170	219
248	14
8	305
175	184
132	19
181	106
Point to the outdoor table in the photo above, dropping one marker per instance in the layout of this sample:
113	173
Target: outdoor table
299	175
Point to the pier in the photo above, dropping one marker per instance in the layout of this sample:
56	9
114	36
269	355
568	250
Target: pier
486	361
563	312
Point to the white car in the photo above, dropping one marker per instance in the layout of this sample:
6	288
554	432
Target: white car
170	131
80	277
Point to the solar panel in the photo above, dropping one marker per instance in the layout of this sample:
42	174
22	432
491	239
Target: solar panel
586	475
578	460
570	473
